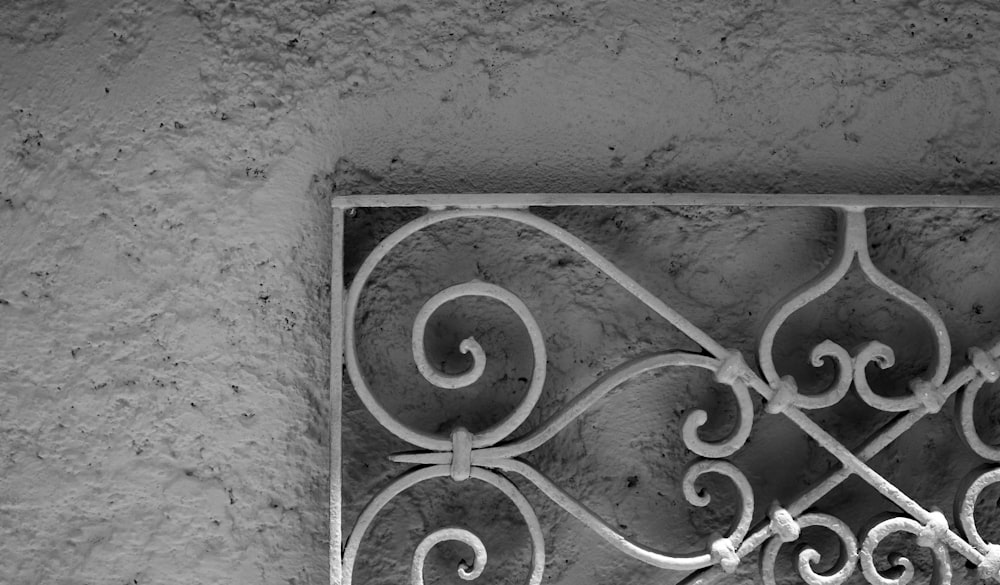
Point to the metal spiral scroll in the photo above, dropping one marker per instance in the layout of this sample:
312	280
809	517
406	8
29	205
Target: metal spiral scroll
699	498
414	477
971	488
809	557
853	244
925	538
986	364
454	535
476	288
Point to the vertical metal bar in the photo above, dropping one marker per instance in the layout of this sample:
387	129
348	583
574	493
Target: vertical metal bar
336	392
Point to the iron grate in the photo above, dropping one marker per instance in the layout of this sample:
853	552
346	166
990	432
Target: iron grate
490	456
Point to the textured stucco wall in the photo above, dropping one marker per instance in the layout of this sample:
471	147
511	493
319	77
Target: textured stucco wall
164	169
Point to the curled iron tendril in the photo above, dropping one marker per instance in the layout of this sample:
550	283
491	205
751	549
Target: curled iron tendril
454	535
696	497
476	288
853	245
809	557
971	487
965	410
411	478
903	567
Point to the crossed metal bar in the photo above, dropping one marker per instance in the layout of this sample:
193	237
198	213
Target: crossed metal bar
465	455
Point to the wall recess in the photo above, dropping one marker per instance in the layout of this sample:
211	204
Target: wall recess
813	388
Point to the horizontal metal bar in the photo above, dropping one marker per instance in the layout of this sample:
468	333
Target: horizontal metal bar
523	200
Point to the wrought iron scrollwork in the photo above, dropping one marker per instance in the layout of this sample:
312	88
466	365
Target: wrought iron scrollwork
808	557
487	456
412	478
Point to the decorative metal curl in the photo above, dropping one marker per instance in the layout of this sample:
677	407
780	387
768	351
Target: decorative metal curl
696	497
410	479
726	372
468	345
965	419
809	557
853	243
880	354
942	566
477	288
828	350
453	535
970	488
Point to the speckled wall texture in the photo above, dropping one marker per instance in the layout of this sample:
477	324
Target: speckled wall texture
165	172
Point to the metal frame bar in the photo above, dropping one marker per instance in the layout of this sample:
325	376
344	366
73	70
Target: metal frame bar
523	200
337	327
464	455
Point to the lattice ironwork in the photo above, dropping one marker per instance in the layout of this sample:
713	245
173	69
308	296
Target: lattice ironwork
490	456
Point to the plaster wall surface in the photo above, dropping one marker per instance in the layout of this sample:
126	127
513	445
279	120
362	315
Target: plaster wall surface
165	169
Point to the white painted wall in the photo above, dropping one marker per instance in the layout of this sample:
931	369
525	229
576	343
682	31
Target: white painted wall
164	174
